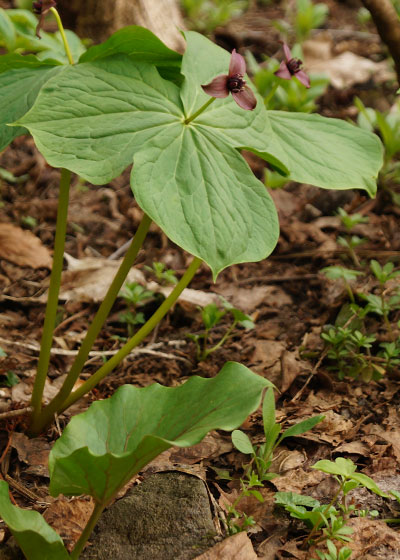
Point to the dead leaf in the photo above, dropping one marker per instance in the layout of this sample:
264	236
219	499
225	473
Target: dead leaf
87	280
22	247
249	299
212	446
373	539
34	452
344	70
236	547
68	517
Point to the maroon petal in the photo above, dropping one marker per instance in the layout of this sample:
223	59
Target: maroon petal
303	78
286	50
245	99
237	64
218	87
283	71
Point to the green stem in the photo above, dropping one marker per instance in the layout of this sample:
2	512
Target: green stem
52	300
221	342
48	412
63	36
137	338
323	514
270	95
197	113
91	524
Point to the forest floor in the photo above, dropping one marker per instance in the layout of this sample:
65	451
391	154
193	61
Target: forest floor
287	296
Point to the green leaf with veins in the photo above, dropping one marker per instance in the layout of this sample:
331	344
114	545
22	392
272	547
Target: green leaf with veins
328	153
187	178
37	540
21	78
142	46
103	448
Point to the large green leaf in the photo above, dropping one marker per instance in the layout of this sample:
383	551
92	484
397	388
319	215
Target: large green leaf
21	78
101	449
328	153
187	178
37	540
105	111
203	195
136	42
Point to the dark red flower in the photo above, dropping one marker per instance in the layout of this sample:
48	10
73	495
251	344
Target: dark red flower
233	83
292	67
41	7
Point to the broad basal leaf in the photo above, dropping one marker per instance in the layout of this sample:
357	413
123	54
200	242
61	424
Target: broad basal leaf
187	178
21	78
328	153
101	449
36	539
7	31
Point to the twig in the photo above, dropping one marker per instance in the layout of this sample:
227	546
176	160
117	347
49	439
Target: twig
150	349
15	413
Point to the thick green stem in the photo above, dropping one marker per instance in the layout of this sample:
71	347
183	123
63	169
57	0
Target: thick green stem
270	95
197	113
63	36
91	524
52	300
94	329
137	338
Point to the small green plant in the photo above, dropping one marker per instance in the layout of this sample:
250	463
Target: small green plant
134	294
162	274
347	275
328	522
206	15
308	16
351	242
344	553
212	315
262	455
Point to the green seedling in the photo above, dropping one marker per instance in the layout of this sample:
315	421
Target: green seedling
262	455
308	16
329	520
212	315
133	295
163	275
103	448
344	553
206	15
351	242
347	275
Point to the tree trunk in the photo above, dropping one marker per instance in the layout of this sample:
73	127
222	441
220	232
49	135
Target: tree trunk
98	19
388	25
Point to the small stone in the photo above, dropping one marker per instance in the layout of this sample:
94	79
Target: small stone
167	517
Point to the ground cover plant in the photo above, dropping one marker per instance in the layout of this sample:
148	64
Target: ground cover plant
182	121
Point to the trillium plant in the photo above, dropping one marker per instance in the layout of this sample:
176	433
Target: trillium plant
133	100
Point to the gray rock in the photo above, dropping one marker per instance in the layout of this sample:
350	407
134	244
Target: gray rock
167	517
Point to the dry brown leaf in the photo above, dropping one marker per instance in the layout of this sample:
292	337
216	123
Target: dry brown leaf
344	70
68	517
297	479
34	452
249	299
236	547
22	247
373	539
333	429
212	446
